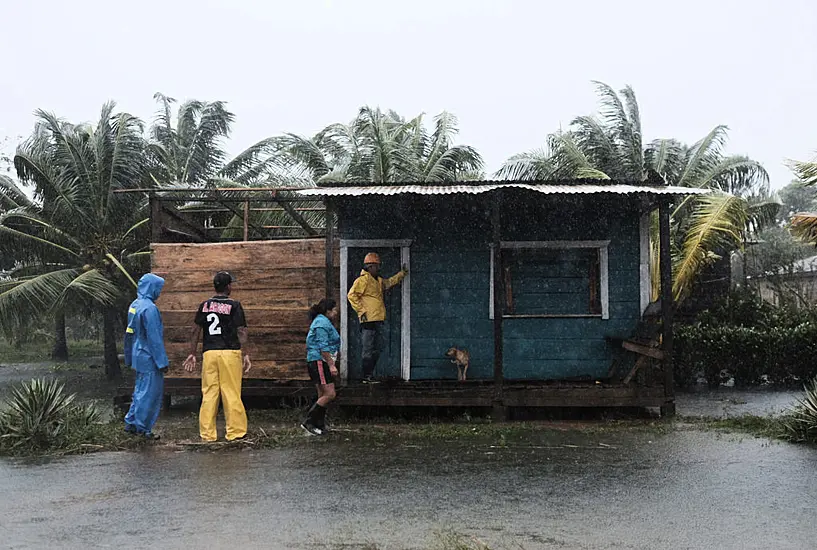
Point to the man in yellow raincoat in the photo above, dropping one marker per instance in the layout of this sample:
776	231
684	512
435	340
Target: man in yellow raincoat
366	298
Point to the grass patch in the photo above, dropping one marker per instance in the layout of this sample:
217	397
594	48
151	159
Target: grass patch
31	352
758	426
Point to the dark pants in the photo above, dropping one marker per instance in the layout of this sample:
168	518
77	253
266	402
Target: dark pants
371	338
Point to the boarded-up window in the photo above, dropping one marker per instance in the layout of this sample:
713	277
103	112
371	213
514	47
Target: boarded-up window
553	279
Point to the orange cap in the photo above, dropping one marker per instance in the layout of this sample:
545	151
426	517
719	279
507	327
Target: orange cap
371	258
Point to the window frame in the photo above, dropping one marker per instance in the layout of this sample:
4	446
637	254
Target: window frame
604	290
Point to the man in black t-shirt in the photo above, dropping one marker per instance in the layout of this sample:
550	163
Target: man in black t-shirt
225	333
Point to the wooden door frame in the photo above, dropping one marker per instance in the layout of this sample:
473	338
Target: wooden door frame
405	307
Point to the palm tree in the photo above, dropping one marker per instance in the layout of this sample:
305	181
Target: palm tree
191	151
77	244
610	146
379	147
804	224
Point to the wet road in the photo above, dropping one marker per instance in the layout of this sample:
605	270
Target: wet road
683	489
731	403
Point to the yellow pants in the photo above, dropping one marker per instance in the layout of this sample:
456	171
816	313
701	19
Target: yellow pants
221	373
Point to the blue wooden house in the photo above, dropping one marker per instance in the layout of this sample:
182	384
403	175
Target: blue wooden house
541	282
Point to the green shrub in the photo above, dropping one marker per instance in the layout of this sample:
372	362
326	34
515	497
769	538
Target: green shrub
748	340
40	417
800	425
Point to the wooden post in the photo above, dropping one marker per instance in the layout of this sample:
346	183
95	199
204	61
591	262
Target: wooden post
667	306
155	218
246	220
330	250
499	410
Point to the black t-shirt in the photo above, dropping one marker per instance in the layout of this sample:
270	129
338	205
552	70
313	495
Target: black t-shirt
220	317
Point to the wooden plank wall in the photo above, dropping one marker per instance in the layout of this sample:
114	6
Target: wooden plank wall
277	281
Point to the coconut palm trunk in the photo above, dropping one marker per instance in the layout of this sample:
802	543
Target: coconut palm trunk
60	350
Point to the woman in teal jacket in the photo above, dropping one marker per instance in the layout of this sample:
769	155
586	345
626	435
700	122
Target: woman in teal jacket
145	353
322	346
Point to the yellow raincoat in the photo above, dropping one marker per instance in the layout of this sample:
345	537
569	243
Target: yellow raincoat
366	295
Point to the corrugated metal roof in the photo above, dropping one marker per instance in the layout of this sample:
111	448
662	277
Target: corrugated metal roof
548	189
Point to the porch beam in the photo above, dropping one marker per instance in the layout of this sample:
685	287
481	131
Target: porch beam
330	250
496	269
667	306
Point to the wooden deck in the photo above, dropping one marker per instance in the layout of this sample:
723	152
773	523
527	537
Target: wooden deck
447	393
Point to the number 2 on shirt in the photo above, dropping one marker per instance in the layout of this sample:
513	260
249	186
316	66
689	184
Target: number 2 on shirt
214	328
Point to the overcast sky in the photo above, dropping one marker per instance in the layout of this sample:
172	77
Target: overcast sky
512	71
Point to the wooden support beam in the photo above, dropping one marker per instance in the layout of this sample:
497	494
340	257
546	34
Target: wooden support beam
168	217
330	250
294	214
496	265
246	220
667	306
155	218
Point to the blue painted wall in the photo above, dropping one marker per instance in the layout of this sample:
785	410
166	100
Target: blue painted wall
450	278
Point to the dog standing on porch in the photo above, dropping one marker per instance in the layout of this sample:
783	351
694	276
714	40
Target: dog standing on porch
461	358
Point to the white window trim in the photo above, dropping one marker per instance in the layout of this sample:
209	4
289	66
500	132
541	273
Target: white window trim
644	268
405	314
604	283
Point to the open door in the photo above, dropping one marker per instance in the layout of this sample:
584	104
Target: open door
390	360
394	358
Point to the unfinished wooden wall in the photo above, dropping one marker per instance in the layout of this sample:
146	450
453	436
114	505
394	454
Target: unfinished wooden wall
277	282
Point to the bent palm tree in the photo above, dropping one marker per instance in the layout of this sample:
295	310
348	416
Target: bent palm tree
610	146
76	243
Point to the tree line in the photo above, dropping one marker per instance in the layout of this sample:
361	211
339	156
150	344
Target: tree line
79	244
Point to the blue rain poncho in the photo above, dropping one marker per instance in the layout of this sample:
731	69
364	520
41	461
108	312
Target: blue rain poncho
145	353
144	337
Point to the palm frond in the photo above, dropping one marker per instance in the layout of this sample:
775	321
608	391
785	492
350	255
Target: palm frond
738	175
121	268
11	196
717	222
804	227
571	161
805	171
93	287
28	298
702	156
665	156
250	164
762	212
530	166
204	153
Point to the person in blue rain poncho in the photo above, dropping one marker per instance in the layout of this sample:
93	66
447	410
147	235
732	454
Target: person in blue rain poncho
145	353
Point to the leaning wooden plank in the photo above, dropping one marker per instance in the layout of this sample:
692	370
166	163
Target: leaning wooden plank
655	353
640	362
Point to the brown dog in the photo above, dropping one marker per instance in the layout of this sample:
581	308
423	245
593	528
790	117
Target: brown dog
461	358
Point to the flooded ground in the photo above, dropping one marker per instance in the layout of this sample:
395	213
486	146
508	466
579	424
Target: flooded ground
681	489
731	403
624	487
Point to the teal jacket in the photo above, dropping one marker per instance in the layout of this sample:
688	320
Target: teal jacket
322	336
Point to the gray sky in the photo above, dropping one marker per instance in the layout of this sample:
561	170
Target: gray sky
512	71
